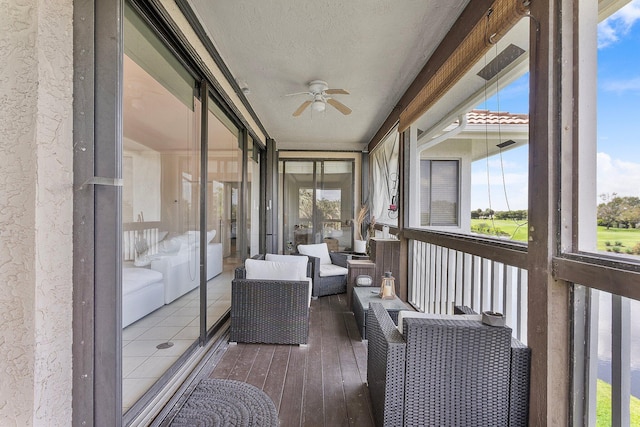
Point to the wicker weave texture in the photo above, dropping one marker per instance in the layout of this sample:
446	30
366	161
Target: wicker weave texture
269	311
456	372
331	285
519	384
385	368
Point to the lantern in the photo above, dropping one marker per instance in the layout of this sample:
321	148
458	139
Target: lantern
388	286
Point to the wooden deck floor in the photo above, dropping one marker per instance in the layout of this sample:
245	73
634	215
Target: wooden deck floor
323	384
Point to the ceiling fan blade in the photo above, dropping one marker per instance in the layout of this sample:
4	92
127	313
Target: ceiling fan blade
301	108
299	93
339	106
336	92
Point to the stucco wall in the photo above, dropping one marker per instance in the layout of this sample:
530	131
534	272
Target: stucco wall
35	212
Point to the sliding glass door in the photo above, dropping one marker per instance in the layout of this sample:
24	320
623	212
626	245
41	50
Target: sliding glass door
318	203
183	204
160	214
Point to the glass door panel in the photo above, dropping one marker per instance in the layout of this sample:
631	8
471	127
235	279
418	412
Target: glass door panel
253	186
223	181
297	204
161	174
334	204
317	204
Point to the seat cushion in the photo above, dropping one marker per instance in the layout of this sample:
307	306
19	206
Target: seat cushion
319	250
328	270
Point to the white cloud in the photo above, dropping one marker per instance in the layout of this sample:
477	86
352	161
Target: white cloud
622	86
515	187
617	176
617	25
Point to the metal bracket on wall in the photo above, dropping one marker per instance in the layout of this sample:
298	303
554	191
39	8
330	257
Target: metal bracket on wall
98	180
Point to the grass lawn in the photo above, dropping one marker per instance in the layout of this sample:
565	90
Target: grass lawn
619	239
515	230
629	237
603	406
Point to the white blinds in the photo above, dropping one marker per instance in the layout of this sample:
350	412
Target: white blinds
439	194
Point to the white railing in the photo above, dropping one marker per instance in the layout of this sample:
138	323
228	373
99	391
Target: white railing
441	278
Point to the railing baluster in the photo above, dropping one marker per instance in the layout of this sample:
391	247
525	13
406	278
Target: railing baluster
620	361
440	277
507	301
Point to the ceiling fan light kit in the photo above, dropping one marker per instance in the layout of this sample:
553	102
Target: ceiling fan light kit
318	106
321	96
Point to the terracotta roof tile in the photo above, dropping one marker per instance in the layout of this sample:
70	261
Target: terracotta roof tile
481	117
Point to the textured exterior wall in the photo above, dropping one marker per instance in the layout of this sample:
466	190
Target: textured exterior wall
35	212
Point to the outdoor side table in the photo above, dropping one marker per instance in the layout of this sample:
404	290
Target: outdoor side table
362	296
356	268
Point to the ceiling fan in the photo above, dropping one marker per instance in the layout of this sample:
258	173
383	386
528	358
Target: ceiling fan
320	97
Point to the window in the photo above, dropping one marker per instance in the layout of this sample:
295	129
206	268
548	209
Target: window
439	192
610	216
605	180
482	123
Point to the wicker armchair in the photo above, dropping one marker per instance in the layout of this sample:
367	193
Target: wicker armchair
269	311
326	283
445	372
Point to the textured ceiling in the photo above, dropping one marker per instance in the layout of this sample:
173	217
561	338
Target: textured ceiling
372	48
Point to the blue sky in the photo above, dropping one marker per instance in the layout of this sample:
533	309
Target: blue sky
618	121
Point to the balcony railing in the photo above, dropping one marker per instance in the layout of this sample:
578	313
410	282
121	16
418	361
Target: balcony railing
441	278
446	271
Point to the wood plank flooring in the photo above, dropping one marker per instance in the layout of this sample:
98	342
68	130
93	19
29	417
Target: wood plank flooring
323	384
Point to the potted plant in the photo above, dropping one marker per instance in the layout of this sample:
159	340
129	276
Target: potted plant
359	244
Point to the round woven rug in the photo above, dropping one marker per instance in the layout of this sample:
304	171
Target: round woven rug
216	402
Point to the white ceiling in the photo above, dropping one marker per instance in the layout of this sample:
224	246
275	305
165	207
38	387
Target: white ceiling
372	48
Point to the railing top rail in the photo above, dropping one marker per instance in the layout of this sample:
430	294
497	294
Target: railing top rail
507	252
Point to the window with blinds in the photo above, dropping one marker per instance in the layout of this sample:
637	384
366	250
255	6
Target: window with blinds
439	192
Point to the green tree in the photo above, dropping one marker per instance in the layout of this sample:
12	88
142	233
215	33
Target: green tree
622	212
608	210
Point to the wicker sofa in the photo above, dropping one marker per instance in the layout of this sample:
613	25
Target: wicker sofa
445	372
270	311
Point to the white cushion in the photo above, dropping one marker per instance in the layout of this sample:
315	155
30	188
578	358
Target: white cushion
300	262
327	270
319	250
275	270
404	314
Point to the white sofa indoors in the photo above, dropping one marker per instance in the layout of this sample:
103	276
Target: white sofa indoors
142	293
179	259
172	270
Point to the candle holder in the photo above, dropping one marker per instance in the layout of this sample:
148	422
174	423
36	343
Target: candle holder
388	286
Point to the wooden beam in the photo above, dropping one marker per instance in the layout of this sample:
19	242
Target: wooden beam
548	299
607	277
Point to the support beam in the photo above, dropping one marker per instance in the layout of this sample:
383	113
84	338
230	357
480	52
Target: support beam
548	299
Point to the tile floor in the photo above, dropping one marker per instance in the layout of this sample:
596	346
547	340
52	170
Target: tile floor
142	362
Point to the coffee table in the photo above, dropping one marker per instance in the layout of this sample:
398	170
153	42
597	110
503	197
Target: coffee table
362	296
